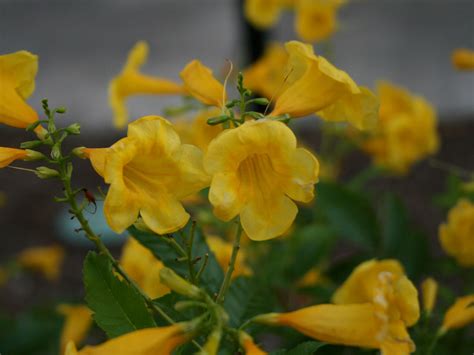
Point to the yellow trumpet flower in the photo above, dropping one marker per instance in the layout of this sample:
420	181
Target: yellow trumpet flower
132	82
76	325
45	260
162	340
149	173
257	171
315	86
9	155
460	314
262	13
141	265
463	59
17	81
457	234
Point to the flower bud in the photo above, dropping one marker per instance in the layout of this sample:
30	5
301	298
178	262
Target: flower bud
178	284
80	152
31	144
75	129
429	289
32	155
44	172
212	344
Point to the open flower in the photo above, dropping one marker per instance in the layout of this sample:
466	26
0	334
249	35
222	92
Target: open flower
45	260
17	80
316	20
460	314
140	264
257	171
201	84
76	325
315	86
406	131
457	234
132	82
223	251
162	340
463	59
149	172
247	343
373	308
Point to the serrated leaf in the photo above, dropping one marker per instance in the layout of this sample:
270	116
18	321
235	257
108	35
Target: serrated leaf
246	298
350	214
117	307
306	348
213	275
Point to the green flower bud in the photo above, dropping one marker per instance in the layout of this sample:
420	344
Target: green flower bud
32	155
178	284
75	129
44	172
31	144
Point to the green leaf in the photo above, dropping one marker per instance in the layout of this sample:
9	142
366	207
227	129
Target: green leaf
401	240
118	308
350	213
212	276
246	298
306	348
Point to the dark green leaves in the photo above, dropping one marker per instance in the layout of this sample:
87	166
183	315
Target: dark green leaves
117	307
306	348
349	213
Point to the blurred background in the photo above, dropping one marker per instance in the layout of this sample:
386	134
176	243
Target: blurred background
82	44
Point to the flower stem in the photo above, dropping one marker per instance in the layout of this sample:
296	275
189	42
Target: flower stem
228	275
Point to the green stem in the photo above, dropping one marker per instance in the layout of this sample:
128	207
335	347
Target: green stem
228	275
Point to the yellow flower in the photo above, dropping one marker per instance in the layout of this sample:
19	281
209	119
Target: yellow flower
266	76
406	132
140	264
463	59
223	251
9	155
76	325
149	172
247	343
17	80
197	132
429	290
148	341
316	19
257	171
460	314
45	260
373	308
311	278
262	13
457	235
132	82
201	83
315	86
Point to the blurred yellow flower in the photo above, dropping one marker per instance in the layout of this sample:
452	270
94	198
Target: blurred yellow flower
263	13
457	234
257	171
312	278
223	251
463	59
373	308
316	20
406	132
196	131
9	155
45	260
460	314
247	343
162	340
202	85
140	264
429	291
132	82
266	76
211	347
17	80
76	325
149	172
315	86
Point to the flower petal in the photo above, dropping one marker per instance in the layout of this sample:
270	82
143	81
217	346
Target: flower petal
225	196
305	170
201	83
262	13
121	207
19	70
9	155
